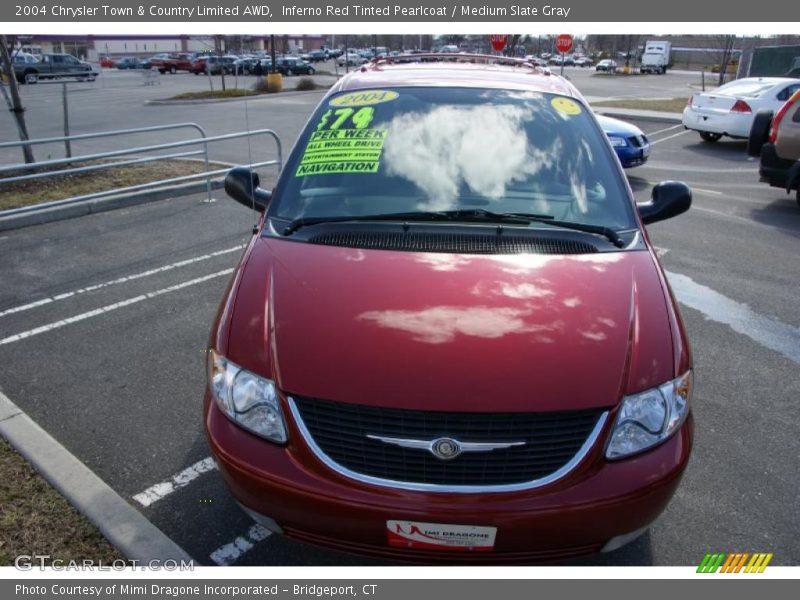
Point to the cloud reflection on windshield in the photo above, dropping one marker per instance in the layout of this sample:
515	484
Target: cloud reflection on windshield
485	147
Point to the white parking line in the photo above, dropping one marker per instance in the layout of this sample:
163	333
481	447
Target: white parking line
669	137
764	330
230	553
651	134
158	491
92	288
108	308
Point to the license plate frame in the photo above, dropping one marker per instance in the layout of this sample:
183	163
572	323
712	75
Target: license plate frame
421	535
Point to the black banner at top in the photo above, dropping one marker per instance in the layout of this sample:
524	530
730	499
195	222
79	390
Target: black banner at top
385	11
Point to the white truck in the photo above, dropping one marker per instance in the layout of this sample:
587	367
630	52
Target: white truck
656	57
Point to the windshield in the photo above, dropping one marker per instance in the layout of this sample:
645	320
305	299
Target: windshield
401	150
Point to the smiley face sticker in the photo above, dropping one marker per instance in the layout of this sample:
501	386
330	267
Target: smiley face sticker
565	106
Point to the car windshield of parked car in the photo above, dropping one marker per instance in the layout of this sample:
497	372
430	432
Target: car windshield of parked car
429	149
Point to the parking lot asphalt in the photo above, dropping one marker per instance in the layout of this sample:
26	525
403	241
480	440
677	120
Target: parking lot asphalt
117	101
104	321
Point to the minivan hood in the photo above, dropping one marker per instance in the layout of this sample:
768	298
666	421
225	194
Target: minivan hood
452	332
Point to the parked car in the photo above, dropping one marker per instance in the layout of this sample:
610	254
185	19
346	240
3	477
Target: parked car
291	65
131	62
317	56
160	61
566	60
729	109
207	63
629	142
25	66
95	68
536	61
172	63
352	59
246	65
263	67
607	65
583	62
228	62
106	62
776	141
516	378
29	68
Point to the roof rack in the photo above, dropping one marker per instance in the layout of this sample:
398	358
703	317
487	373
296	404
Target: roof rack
376	63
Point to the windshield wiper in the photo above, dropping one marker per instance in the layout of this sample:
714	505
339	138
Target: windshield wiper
463	214
607	232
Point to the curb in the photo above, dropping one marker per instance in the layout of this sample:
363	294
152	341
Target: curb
88	207
122	525
236	99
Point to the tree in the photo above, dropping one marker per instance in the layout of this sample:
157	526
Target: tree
219	51
14	102
603	45
725	44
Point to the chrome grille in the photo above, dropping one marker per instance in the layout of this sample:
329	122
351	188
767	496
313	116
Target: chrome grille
553	442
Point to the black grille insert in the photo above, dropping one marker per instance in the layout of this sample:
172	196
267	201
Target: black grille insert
638	140
551	439
452	243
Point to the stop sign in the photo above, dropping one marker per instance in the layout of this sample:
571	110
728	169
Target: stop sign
498	42
564	43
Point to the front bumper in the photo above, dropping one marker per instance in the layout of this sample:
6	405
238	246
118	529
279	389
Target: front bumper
578	514
631	156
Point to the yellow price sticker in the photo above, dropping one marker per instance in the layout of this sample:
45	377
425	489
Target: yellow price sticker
566	106
364	98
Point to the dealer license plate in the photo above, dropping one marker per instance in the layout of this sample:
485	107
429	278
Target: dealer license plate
440	536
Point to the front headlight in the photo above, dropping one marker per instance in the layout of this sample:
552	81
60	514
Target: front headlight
617	142
248	400
650	417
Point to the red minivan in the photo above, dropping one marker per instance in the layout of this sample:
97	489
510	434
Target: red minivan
450	339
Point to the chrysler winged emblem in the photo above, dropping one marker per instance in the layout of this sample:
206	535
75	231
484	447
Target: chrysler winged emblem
445	448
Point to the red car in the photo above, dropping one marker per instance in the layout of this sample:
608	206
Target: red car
173	63
450	339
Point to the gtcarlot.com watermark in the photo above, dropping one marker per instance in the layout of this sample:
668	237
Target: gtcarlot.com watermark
28	562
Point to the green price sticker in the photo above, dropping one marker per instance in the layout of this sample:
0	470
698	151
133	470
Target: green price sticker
334	119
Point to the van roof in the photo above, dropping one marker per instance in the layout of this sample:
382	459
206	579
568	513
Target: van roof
455	70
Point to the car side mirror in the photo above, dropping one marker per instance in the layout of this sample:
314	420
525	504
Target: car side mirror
669	199
241	184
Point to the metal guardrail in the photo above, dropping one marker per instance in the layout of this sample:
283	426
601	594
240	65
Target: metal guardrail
204	141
